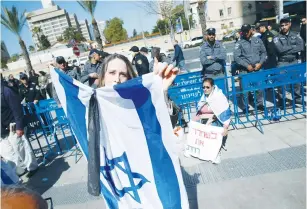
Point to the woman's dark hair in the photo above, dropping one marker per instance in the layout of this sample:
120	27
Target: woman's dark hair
210	80
130	72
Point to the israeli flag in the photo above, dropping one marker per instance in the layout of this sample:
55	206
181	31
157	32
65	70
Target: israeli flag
126	135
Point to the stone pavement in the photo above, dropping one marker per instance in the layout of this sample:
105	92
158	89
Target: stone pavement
257	171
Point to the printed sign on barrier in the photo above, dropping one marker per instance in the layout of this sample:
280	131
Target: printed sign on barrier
203	141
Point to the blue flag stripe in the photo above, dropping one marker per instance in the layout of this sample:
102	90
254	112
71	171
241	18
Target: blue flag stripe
75	110
163	169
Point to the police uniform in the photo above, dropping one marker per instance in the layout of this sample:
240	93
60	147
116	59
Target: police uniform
267	39
141	64
287	47
30	93
249	52
213	67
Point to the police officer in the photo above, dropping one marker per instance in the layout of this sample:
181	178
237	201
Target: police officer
250	54
139	61
29	90
212	56
288	44
267	39
70	71
92	68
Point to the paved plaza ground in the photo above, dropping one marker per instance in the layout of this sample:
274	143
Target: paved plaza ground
257	171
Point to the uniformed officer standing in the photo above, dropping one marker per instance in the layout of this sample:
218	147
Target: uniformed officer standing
212	56
267	39
139	61
250	54
29	90
288	44
92	68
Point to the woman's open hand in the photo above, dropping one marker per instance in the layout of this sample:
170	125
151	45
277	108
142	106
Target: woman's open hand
167	72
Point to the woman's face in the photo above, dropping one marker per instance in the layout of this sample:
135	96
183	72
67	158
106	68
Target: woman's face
116	72
207	87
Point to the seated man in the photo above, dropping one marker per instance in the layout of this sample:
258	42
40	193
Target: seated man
212	56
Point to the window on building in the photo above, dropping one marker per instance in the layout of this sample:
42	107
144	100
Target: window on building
229	10
221	13
231	24
222	26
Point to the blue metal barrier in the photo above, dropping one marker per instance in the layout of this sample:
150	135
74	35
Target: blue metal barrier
278	83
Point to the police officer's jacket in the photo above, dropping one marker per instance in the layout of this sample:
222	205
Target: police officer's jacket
141	64
288	46
30	93
88	69
249	52
218	53
267	39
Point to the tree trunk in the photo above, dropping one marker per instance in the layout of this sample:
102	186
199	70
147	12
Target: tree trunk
202	15
97	34
25	54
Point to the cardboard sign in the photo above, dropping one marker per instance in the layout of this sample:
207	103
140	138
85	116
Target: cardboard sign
203	141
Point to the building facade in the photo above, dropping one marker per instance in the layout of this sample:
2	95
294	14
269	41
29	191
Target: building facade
225	15
4	53
51	20
85	30
74	22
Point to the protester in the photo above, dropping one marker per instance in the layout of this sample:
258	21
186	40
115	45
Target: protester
139	61
92	69
63	66
17	196
250	54
33	77
29	90
211	101
212	56
14	145
178	57
303	35
288	44
43	82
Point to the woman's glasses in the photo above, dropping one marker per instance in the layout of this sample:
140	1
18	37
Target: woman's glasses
206	87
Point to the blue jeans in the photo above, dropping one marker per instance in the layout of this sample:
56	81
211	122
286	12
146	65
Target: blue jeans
181	65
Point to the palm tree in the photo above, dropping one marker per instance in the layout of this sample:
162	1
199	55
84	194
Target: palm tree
89	6
202	15
31	48
15	22
36	31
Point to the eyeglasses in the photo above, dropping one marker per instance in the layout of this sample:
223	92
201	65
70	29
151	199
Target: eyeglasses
206	87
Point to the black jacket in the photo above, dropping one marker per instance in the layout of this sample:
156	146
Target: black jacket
11	110
29	93
267	39
141	64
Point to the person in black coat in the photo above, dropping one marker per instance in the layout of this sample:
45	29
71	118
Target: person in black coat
303	35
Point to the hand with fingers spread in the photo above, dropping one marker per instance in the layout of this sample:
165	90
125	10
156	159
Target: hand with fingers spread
167	72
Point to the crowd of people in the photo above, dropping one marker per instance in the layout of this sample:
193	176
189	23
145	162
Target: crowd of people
256	49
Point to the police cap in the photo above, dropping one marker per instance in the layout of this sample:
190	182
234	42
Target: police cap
245	28
134	49
211	31
284	20
60	60
144	49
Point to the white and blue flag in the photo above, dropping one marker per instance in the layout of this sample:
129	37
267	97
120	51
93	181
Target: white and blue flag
126	135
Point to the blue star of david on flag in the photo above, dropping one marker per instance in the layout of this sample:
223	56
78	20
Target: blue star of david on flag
132	190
